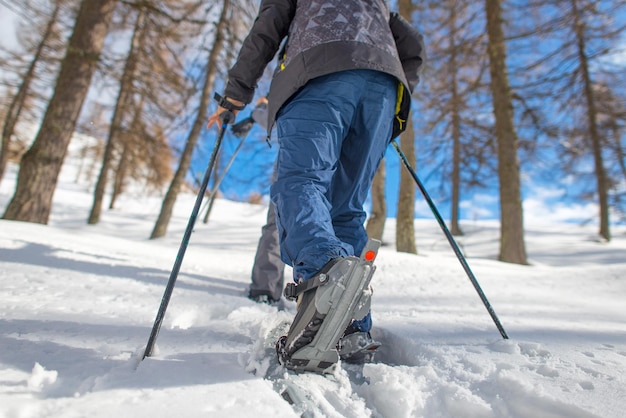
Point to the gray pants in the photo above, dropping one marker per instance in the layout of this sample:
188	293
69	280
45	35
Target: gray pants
268	272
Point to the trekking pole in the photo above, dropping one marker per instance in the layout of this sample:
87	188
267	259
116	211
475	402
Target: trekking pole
227	117
221	178
451	240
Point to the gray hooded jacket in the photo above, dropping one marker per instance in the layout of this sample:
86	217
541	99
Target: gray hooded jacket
323	37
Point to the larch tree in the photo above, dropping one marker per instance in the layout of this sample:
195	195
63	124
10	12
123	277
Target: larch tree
405	218
571	86
145	156
455	228
456	143
41	164
152	94
167	207
512	246
123	106
612	126
592	119
162	91
23	97
232	39
375	225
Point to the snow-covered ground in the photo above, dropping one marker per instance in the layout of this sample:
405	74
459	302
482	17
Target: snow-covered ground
77	304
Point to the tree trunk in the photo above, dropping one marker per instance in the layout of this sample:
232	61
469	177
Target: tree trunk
376	222
621	156
512	247
19	100
455	228
160	227
405	218
41	165
120	174
130	143
592	112
213	191
122	107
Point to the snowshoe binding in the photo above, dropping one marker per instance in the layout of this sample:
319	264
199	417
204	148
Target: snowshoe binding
357	348
327	304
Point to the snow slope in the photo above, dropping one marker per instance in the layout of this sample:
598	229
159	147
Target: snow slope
78	303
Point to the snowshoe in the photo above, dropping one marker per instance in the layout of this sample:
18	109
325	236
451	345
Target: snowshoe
357	348
327	303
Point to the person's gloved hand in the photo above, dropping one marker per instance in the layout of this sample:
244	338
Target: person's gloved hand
242	127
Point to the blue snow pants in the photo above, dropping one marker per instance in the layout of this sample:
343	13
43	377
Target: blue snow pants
332	135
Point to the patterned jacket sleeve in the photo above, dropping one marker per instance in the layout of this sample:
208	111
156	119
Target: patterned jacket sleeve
260	46
410	45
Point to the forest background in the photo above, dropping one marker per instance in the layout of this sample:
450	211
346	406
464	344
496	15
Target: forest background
521	109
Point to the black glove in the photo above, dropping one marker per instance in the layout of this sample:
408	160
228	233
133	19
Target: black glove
242	127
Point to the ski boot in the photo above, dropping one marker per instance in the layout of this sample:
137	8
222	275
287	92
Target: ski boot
327	304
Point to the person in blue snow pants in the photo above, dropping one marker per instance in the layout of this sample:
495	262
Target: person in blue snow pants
340	92
332	135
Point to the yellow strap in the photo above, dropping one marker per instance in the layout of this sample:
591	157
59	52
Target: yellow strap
399	103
